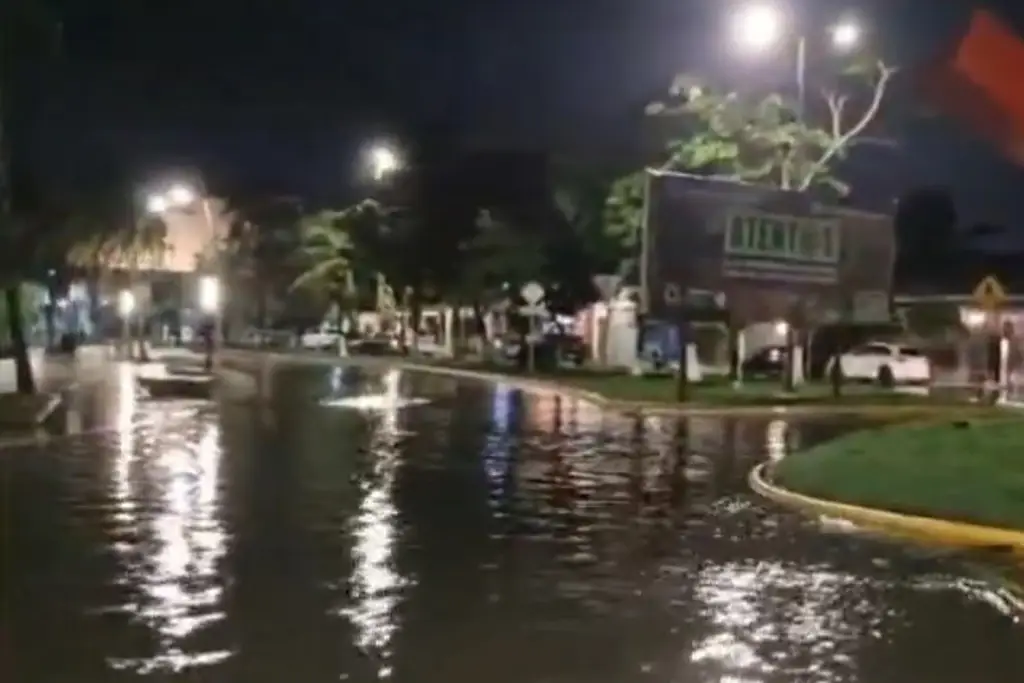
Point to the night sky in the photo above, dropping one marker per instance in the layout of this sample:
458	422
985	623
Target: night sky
280	95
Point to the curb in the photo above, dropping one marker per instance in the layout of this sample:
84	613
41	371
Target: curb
52	404
644	407
925	529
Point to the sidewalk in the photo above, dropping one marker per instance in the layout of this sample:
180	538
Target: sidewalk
57	373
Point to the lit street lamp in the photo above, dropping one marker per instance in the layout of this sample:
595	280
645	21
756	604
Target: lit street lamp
179	197
209	294
209	303
383	160
125	308
760	26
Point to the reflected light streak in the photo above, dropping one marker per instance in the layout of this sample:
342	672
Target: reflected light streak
496	449
375	584
126	408
390	399
775	439
173	560
818	621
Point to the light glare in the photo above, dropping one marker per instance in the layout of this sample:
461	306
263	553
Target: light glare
846	35
125	303
156	204
383	161
209	293
181	195
758	27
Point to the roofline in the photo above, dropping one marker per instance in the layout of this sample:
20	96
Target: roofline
964	299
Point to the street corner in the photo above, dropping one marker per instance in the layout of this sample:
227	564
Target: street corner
925	530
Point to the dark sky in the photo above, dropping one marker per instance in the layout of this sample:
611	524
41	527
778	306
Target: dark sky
280	94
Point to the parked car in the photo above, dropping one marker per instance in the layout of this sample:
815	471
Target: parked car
374	345
888	364
767	362
321	339
549	350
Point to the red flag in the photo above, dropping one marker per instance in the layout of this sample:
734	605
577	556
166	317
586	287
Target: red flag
978	83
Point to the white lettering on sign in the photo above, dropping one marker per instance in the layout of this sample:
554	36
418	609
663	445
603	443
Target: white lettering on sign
782	238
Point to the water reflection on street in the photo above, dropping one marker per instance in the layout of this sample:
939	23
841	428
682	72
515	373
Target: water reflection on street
340	531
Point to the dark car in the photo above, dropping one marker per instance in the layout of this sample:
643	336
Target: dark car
768	362
549	351
373	345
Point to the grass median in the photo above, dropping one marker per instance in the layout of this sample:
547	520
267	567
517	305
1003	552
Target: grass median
964	471
719	391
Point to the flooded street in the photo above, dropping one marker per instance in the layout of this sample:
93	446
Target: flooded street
361	527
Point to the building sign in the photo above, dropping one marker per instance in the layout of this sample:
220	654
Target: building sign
766	252
784	238
765	246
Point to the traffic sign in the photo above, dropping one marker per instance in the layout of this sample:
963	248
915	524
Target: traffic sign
990	294
673	294
538	310
532	292
607	285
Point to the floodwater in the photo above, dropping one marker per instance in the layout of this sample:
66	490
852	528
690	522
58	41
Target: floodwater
332	533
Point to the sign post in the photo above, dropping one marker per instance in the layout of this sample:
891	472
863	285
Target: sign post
990	295
533	294
675	301
607	286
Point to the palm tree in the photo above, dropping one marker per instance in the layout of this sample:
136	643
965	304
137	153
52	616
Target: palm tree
124	246
327	251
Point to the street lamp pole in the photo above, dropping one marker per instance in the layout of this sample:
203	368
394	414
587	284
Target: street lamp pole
218	268
762	25
801	77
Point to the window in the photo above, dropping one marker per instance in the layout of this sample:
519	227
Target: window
910	351
782	237
872	350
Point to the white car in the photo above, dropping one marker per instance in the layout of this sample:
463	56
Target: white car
319	340
886	363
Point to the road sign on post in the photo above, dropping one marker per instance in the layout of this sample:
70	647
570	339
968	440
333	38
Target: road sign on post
990	293
675	302
533	294
607	286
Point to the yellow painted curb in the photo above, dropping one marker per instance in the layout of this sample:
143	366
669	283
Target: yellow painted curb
926	529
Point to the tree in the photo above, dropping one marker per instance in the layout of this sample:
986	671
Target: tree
623	220
926	232
122	240
327	256
580	199
260	256
27	39
766	139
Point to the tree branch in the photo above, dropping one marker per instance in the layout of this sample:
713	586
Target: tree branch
885	74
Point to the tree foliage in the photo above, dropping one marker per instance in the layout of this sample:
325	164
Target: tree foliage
757	138
329	254
770	139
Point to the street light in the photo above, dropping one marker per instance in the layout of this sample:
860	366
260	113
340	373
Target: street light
383	160
846	36
125	303
760	26
125	308
209	294
181	195
209	302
